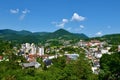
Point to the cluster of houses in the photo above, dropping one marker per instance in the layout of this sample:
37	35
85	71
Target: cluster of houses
94	51
30	52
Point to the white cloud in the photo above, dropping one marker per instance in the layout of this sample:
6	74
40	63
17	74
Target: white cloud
24	13
77	17
99	33
61	24
14	11
65	20
81	26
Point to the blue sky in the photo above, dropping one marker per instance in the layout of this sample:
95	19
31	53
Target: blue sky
91	17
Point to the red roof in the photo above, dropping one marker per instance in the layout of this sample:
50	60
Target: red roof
1	57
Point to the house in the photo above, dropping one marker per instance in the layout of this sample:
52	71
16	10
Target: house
95	70
94	49
72	56
1	58
31	58
96	63
103	51
31	64
52	57
94	43
82	43
47	62
89	56
98	54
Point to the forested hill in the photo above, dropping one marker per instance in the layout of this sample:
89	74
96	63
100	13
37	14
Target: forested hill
113	39
27	36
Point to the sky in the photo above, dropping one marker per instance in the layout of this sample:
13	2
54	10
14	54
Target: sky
91	17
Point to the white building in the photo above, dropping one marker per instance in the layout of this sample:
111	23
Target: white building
98	55
118	48
33	50
27	45
103	51
95	70
41	51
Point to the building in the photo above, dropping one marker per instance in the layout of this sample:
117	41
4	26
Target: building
118	48
1	58
72	56
103	51
31	64
94	43
33	50
40	51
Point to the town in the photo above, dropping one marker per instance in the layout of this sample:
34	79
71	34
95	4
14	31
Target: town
93	51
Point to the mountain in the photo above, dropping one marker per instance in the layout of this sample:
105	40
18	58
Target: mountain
24	32
61	32
41	33
7	31
64	34
11	32
27	36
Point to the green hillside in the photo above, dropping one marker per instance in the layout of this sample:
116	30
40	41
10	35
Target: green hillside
27	36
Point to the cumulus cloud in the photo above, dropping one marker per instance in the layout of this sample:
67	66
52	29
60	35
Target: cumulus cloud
99	33
61	24
24	13
14	11
77	17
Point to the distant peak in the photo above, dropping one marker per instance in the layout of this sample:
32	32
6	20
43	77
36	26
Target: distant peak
61	30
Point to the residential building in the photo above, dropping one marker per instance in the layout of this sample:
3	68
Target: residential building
118	48
40	51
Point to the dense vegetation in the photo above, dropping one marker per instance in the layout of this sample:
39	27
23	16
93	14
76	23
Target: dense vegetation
110	67
75	70
113	39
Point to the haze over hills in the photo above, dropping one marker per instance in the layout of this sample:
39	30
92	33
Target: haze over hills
24	36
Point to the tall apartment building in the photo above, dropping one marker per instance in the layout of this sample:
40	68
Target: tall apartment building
41	51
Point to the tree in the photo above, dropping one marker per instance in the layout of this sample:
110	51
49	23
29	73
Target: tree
110	67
